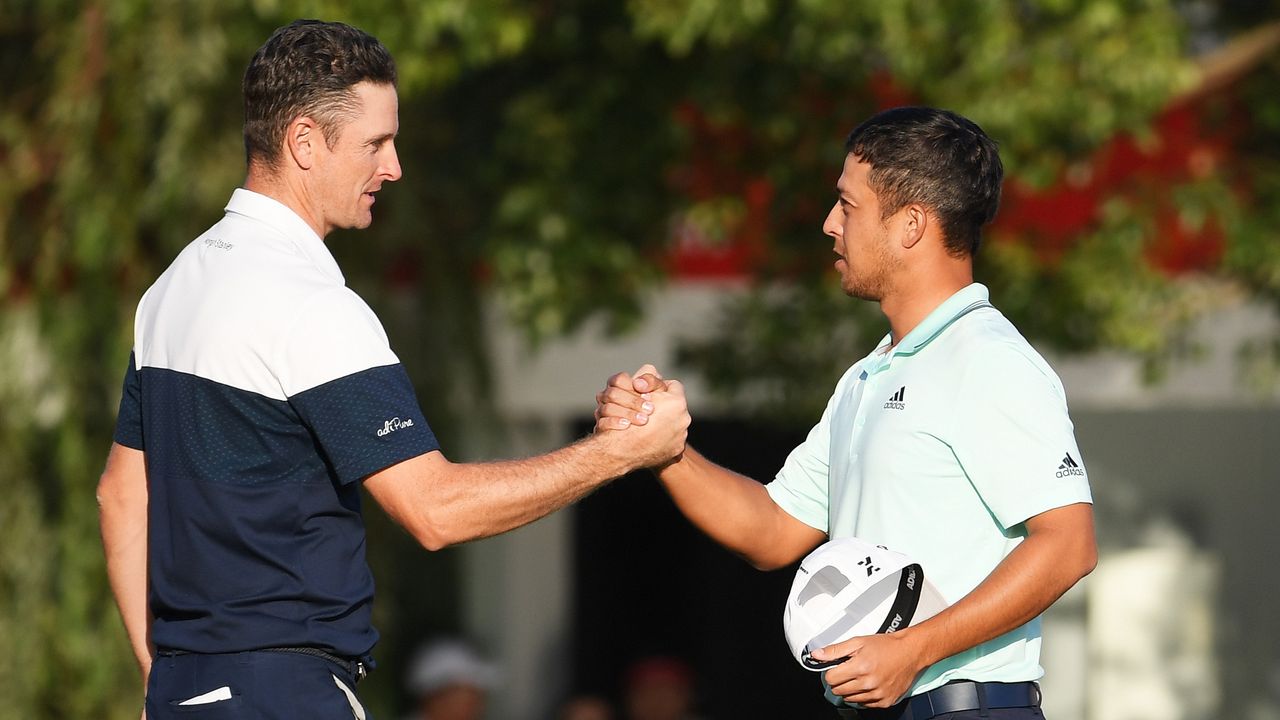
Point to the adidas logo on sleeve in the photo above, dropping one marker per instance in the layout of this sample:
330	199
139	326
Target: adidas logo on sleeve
1069	467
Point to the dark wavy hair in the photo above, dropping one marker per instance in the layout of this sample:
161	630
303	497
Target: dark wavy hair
938	159
308	67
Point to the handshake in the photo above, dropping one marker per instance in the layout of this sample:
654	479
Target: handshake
644	416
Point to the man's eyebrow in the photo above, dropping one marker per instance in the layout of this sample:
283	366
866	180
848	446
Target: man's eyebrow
381	138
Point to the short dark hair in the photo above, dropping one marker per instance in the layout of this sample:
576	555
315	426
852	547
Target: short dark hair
308	67
938	159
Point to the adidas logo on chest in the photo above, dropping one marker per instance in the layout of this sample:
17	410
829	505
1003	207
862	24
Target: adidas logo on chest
897	401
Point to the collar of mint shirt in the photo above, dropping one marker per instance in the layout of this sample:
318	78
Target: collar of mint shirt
964	301
282	219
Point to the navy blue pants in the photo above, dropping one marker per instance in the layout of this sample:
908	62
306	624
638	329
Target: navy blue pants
250	686
1018	713
1027	713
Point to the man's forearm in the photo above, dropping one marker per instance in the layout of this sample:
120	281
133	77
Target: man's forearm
737	512
122	511
1058	551
1043	567
732	509
443	503
127	572
459	502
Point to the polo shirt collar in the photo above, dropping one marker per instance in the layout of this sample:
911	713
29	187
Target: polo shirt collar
967	299
282	219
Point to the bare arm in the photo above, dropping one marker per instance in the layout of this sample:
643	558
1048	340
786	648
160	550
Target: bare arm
730	508
443	503
122	511
737	512
1058	551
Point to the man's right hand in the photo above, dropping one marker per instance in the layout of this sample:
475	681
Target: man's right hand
653	411
732	509
626	399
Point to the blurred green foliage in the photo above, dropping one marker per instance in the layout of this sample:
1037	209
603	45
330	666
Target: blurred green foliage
549	148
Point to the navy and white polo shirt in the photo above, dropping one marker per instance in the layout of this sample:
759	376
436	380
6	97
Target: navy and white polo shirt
262	390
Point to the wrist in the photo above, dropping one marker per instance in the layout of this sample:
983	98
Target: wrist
619	459
667	469
678	468
919	644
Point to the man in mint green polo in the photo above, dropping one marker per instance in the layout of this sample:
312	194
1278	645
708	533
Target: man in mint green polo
950	442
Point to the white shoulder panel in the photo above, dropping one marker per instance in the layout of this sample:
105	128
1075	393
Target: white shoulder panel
222	309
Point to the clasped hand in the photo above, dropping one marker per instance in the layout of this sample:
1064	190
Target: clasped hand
653	411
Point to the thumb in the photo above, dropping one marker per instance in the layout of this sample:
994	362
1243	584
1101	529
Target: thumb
844	649
647	369
647	379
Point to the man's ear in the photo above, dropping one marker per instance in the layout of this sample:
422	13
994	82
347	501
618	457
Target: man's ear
302	138
915	222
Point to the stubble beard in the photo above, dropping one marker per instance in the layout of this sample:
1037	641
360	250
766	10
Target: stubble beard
871	289
872	284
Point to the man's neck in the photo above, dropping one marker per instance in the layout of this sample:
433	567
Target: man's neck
908	305
290	194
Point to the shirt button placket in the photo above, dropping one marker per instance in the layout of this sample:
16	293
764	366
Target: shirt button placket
860	418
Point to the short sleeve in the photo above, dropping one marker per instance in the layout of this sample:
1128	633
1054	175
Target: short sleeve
366	421
129	418
342	379
1014	439
802	486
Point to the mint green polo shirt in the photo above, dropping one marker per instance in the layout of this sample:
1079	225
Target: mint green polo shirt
940	448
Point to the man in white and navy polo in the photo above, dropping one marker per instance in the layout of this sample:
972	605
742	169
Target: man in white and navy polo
262	393
950	442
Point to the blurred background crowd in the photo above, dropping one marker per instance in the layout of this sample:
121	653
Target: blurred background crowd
589	185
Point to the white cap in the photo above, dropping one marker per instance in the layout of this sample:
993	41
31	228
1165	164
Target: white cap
848	587
444	663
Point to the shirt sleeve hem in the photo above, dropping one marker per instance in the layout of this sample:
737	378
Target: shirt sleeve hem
1045	502
128	441
782	498
375	462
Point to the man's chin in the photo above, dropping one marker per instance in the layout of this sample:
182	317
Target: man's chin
860	292
359	223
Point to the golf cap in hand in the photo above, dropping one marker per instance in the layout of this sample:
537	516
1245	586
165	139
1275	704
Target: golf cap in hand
848	587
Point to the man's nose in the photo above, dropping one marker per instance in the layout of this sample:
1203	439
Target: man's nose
831	226
391	166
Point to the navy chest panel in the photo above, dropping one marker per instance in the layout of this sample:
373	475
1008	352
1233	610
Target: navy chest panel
202	430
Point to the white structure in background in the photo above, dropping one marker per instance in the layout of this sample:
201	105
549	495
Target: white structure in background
1138	640
1151	631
